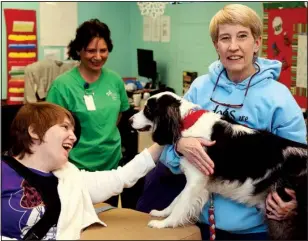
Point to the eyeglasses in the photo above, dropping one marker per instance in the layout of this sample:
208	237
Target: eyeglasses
233	105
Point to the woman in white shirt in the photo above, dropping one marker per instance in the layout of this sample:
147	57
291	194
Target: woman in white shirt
43	195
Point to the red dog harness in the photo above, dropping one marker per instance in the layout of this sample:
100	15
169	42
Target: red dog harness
191	118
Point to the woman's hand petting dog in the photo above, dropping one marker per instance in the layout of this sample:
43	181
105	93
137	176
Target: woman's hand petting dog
278	209
192	149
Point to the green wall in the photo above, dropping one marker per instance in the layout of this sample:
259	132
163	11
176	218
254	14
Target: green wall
190	47
108	12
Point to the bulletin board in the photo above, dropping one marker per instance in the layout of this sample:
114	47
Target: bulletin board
285	39
21	48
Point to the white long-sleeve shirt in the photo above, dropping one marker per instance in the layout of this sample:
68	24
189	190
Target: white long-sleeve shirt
104	184
79	190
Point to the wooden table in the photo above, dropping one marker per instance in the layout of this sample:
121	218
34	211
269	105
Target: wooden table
128	224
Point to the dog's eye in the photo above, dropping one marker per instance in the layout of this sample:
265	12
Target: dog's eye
148	113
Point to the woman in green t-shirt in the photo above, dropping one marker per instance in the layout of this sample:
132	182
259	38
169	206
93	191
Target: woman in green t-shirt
96	95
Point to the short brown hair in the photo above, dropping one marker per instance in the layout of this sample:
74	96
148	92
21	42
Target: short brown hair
236	14
41	116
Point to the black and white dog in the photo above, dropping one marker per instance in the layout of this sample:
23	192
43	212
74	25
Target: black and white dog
249	163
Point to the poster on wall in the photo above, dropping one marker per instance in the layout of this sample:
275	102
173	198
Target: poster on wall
188	78
58	23
52	54
155	29
21	36
285	39
147	28
165	28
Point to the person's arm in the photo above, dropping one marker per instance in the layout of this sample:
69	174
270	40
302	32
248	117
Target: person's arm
288	122
123	96
124	100
119	117
7	238
104	184
288	119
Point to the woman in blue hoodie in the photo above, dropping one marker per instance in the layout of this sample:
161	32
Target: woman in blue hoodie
244	87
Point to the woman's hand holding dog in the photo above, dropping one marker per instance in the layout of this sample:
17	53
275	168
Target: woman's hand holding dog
192	149
278	209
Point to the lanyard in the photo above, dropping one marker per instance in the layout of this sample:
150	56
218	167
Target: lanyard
212	218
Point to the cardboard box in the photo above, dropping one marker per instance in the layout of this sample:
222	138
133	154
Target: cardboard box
128	224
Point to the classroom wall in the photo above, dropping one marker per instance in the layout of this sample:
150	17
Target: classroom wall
108	12
190	48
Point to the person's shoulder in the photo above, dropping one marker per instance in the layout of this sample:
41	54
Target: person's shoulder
71	73
280	97
278	90
5	168
66	78
111	73
113	77
201	81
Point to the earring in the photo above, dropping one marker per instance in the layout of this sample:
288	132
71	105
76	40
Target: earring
255	57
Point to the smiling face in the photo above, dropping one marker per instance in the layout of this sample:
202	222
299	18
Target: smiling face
57	143
95	55
236	47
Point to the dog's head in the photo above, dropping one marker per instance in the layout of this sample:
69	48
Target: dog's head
162	114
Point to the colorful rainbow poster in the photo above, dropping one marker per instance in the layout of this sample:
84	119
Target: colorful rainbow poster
21	50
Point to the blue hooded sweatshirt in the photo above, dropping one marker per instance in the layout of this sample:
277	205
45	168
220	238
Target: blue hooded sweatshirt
268	105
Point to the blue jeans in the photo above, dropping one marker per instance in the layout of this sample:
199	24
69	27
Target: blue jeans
162	187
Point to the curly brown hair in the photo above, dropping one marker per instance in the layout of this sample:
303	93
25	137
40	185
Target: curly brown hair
84	35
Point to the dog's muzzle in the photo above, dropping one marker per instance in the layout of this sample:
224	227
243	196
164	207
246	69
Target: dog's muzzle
146	128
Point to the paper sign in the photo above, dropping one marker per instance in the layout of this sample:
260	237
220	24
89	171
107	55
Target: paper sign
301	74
53	54
165	28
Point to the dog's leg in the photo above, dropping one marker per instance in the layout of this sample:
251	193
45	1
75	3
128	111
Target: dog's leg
167	211
189	203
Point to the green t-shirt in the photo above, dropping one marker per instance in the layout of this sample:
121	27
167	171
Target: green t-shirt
99	146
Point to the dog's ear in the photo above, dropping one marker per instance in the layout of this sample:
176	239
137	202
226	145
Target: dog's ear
167	126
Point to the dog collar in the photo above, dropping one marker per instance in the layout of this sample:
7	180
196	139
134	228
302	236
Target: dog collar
191	118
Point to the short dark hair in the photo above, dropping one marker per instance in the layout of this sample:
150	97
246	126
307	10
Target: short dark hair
84	35
41	116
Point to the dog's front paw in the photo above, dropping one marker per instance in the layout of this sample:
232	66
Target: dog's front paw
156	213
157	224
